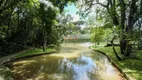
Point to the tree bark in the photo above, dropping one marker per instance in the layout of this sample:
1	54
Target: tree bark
44	37
44	41
129	27
122	43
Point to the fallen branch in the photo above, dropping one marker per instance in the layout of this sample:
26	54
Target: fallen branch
114	49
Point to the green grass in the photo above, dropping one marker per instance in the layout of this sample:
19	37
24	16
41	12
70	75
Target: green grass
26	53
32	52
132	67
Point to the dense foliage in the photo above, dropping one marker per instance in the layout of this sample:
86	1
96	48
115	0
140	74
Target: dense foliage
26	23
126	15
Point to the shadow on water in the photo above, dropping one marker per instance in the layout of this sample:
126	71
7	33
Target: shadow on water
86	65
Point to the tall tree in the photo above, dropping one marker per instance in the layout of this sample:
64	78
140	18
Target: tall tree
28	23
123	14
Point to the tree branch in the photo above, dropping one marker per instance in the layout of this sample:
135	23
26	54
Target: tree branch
97	2
141	7
10	5
100	4
114	49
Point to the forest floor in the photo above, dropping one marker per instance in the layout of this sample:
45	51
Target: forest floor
131	66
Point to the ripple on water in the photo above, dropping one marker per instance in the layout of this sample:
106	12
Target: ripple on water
79	63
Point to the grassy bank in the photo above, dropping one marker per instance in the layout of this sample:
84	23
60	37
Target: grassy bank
132	67
5	73
32	52
26	53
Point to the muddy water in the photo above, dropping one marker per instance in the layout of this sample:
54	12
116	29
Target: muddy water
72	62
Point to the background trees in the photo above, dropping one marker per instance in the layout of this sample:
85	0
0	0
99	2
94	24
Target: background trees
122	14
33	22
29	23
97	35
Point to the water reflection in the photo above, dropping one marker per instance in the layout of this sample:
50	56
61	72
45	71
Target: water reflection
81	71
79	63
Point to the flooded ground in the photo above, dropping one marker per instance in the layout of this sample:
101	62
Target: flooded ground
71	62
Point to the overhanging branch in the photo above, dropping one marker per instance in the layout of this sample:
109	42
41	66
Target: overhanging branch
96	4
100	4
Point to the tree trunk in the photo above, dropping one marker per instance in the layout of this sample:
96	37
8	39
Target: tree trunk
122	44
128	49
114	49
44	41
42	8
123	36
129	27
44	37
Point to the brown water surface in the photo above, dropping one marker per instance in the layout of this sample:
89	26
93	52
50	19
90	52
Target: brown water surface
71	62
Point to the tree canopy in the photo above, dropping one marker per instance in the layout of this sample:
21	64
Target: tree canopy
125	14
30	23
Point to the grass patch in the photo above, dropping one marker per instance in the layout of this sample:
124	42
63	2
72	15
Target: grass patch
32	52
5	73
132	67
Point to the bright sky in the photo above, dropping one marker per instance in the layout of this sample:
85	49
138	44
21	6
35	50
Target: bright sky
72	10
